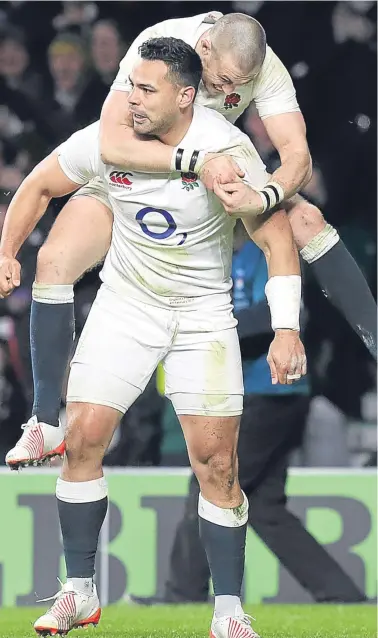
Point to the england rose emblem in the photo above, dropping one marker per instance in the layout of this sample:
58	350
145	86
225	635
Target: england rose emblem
189	181
231	100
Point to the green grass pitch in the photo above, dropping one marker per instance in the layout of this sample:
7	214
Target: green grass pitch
192	621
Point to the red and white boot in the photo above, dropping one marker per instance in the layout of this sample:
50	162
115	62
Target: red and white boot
71	610
39	443
238	626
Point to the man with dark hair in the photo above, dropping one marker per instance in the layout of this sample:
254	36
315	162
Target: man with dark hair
238	69
184	65
165	298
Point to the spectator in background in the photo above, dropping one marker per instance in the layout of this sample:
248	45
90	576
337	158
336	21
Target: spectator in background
15	64
22	91
107	49
76	15
77	94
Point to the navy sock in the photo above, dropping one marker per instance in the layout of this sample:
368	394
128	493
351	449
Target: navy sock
52	326
345	286
223	534
82	509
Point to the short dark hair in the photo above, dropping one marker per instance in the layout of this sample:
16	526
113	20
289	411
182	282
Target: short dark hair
184	64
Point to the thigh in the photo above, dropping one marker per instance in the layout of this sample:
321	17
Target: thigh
120	347
203	373
78	240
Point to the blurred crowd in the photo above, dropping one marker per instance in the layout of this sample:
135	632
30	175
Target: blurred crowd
57	62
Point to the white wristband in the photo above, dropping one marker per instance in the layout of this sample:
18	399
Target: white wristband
271	195
284	298
187	160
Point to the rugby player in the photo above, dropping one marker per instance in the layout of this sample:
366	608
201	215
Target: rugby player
238	68
165	297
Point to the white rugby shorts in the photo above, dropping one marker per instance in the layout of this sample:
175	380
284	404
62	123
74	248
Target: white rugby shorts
123	341
96	189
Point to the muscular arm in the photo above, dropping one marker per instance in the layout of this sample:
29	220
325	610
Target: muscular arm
121	146
272	233
47	180
287	132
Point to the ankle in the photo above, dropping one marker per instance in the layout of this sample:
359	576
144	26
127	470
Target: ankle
227	605
82	585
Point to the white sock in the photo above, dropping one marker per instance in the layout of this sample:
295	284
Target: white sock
227	606
83	585
320	244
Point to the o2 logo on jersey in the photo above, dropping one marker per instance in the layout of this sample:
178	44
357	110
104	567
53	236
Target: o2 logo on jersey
231	100
171	224
121	179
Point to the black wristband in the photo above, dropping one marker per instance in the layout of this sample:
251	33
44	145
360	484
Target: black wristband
179	154
275	193
193	161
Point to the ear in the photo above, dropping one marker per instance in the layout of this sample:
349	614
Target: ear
186	97
205	47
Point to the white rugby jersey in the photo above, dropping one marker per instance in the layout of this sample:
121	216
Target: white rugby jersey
272	90
172	240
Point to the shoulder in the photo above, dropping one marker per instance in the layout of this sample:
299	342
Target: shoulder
271	68
88	135
215	130
178	27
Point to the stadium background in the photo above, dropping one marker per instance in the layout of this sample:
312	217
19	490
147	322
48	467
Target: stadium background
330	50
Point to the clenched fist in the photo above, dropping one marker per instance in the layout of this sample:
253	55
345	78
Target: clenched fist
239	200
10	275
286	357
221	168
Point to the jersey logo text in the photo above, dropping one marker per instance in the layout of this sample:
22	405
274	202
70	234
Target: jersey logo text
118	178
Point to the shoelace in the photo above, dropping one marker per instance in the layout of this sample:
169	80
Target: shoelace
63	609
58	593
30	426
246	619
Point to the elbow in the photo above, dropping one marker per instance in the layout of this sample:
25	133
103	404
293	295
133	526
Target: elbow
308	170
304	163
106	146
106	154
105	157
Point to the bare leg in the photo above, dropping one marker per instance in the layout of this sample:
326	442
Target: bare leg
222	507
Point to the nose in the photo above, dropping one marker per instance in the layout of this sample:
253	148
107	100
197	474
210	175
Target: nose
134	96
228	88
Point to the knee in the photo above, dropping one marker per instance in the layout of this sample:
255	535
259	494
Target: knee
51	265
84	441
217	472
306	221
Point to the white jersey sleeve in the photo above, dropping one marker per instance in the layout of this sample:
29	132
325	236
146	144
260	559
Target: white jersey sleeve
224	137
274	91
79	156
121	82
187	29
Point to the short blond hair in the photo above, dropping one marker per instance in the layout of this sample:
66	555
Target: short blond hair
241	36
